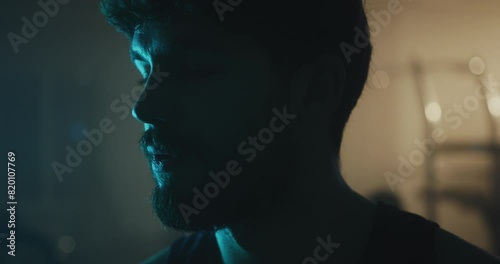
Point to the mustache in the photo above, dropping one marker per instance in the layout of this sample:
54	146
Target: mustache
159	141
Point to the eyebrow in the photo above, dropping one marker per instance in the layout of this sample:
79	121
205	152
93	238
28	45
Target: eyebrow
186	43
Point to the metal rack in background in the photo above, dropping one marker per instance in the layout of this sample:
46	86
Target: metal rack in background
488	207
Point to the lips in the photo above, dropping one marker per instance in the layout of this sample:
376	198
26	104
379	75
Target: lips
161	161
162	156
155	152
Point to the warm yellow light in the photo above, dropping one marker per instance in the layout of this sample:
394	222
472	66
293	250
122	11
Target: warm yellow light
494	105
476	66
433	112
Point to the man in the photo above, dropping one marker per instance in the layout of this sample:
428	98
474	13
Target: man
244	107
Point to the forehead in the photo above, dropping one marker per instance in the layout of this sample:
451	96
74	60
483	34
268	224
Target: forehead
195	41
182	34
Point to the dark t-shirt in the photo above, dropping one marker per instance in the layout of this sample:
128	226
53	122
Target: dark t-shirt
397	237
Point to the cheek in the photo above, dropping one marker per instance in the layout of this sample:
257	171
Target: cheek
226	110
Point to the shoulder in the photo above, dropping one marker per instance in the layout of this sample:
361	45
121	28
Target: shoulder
158	258
186	249
452	249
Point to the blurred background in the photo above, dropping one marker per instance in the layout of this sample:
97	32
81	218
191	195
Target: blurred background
425	134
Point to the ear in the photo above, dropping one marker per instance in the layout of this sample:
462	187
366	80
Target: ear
317	87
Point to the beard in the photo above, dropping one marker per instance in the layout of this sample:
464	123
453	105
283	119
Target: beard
254	192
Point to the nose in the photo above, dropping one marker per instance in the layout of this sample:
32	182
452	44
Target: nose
148	107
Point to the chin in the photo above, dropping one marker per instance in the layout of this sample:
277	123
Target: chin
249	194
166	204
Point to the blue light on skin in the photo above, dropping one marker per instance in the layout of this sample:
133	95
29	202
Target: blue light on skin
230	251
212	115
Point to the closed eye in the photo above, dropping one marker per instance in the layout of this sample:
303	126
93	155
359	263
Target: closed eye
188	74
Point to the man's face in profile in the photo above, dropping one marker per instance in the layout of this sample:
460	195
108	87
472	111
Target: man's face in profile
220	90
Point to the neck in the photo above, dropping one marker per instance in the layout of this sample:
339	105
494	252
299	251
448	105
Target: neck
319	206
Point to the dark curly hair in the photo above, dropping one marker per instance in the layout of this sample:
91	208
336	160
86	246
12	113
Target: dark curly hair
293	33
